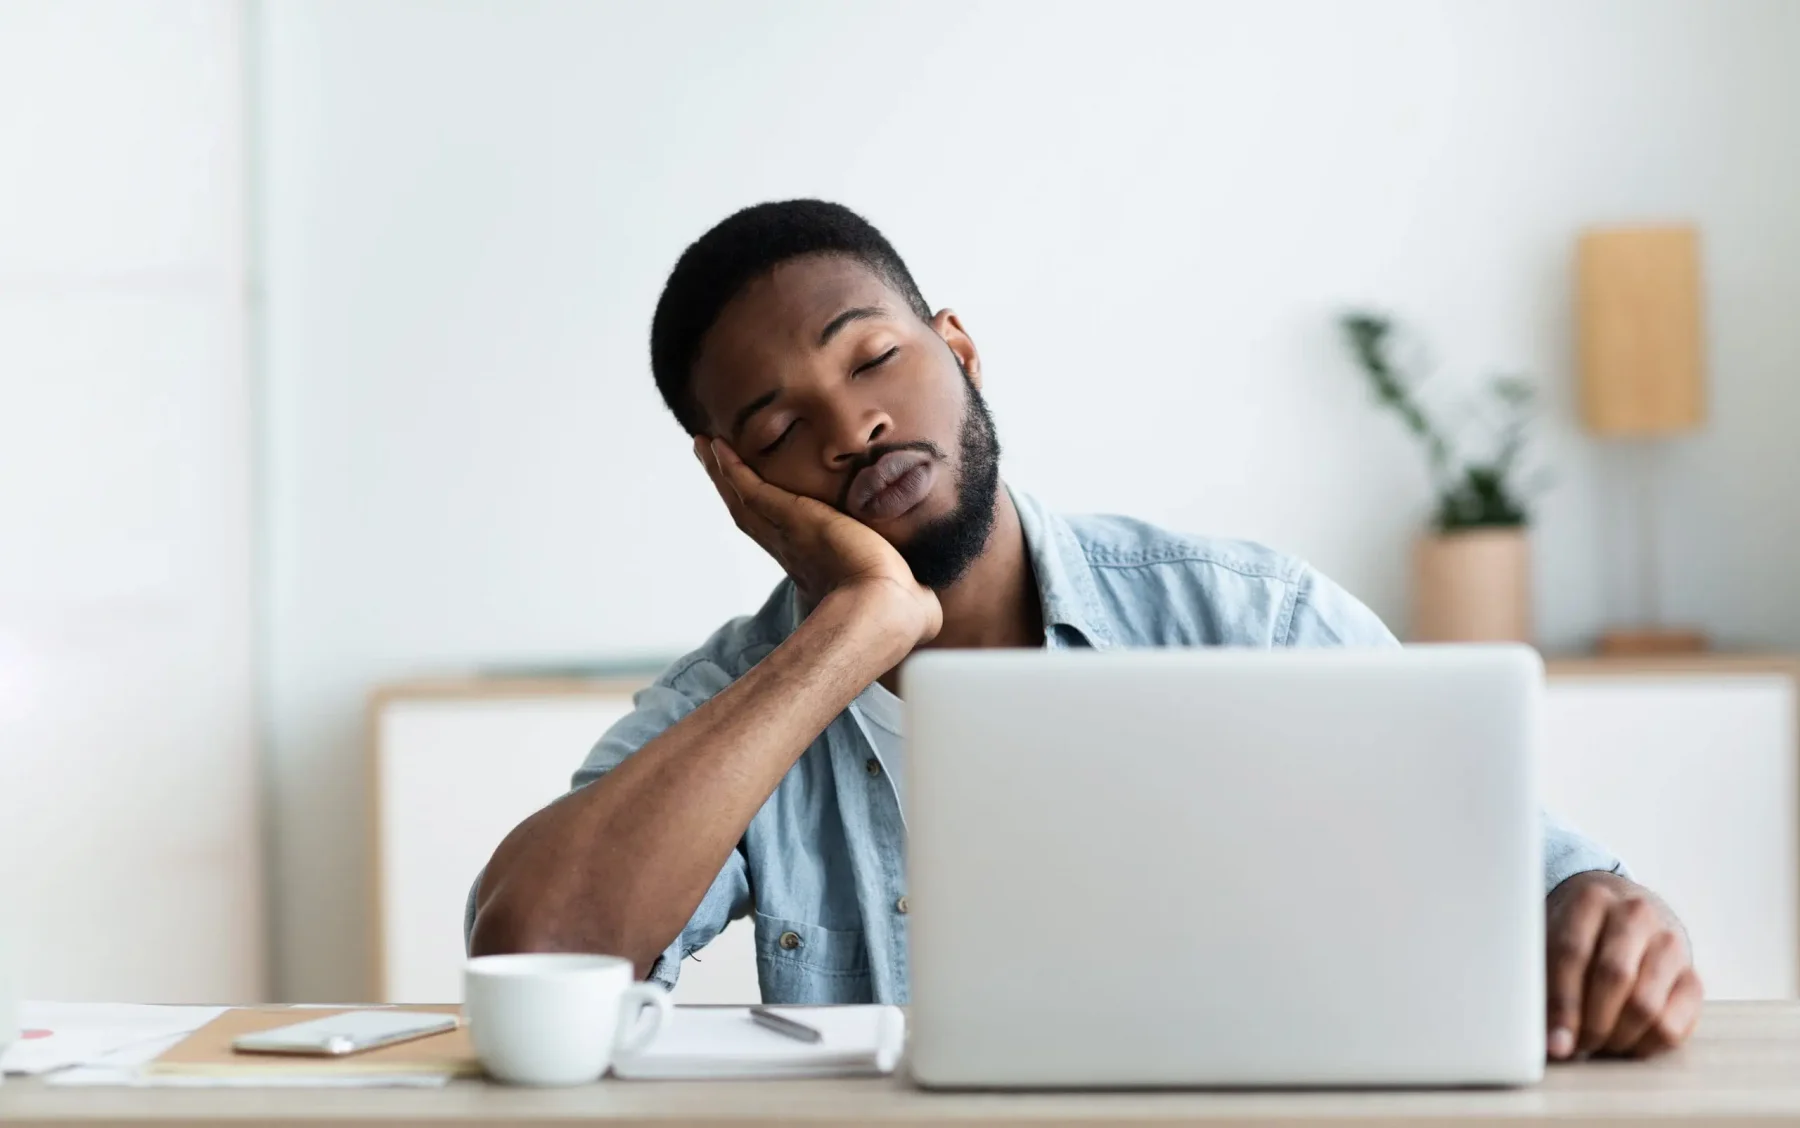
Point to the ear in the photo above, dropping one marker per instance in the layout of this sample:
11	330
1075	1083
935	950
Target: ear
950	327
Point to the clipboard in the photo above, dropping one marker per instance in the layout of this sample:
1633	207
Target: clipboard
207	1052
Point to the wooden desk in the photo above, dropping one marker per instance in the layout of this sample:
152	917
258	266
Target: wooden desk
1743	1065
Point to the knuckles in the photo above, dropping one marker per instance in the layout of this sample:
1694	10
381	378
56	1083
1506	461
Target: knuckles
1611	970
1594	896
1639	913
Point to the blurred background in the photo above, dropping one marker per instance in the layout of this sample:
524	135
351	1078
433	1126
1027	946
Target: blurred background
323	369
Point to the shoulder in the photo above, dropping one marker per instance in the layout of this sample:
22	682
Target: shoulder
1168	588
1112	541
732	649
690	681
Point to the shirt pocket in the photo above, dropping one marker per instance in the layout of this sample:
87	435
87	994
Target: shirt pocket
798	962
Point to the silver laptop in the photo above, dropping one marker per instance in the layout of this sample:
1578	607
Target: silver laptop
1225	868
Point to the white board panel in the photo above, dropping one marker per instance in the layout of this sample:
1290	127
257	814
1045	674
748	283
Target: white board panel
455	776
1692	781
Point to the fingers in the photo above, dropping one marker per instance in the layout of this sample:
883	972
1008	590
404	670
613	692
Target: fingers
765	500
1631	923
1678	1019
747	520
1619	975
727	493
1665	959
1573	934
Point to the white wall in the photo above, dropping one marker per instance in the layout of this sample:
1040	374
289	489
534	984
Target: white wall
1147	215
129	841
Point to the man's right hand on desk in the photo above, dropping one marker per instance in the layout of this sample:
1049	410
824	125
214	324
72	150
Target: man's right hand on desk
1620	976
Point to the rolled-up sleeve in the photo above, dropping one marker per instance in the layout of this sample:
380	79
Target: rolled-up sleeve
1324	614
655	709
1567	853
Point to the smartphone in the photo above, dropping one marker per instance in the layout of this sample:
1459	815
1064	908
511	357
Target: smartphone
348	1033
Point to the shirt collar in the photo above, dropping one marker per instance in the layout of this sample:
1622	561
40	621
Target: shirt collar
1065	581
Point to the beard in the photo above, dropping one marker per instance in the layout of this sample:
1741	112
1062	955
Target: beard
941	551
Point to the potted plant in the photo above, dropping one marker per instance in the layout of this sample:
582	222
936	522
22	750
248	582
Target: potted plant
1472	569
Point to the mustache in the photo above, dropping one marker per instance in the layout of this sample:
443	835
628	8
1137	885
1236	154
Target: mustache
875	454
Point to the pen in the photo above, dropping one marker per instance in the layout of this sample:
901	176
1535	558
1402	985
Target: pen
785	1026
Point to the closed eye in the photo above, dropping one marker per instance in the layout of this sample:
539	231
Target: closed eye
877	362
779	439
867	366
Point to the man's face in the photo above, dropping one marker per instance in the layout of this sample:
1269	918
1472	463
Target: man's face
827	385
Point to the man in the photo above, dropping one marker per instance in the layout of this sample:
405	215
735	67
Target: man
842	422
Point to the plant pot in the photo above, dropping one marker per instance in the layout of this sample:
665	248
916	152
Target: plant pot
1472	586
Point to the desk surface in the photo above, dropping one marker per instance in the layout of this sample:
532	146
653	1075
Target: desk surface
1744	1064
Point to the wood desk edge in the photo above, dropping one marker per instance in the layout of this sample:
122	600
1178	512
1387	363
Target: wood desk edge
1744	1065
476	687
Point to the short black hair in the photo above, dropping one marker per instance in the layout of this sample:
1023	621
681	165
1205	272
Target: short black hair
739	249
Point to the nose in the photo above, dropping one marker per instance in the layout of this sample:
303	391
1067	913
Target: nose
854	429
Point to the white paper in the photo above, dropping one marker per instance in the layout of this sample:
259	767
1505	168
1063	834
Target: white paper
119	1067
63	1035
124	1066
724	1042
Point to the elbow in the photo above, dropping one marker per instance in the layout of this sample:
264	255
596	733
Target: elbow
503	927
511	906
498	930
508	919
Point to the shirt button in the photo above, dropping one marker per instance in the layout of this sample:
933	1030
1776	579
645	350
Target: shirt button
900	906
872	766
789	940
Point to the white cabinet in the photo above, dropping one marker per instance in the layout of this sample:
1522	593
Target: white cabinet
455	766
1686	770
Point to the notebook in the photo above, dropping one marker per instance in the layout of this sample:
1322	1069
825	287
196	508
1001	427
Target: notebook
208	1053
700	1042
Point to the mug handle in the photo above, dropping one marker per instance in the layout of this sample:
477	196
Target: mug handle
649	1007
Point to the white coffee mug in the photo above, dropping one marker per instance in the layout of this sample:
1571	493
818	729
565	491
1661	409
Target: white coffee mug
556	1019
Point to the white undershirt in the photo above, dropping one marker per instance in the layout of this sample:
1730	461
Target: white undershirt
886	729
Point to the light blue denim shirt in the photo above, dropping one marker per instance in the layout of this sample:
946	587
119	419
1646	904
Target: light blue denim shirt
822	865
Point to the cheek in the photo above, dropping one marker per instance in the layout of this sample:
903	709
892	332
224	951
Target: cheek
948	413
796	469
932	408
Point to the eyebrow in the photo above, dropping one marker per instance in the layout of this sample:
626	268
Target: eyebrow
854	313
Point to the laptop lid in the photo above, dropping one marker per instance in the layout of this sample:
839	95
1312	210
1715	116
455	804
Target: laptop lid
1225	867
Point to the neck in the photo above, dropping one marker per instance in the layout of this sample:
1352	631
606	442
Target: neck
996	601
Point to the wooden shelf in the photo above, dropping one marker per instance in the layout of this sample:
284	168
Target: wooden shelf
1720	662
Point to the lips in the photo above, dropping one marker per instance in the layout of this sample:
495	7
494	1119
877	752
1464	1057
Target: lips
891	487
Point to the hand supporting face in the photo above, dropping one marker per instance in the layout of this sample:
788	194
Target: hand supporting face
821	549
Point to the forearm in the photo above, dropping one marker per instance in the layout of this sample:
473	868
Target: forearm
620	865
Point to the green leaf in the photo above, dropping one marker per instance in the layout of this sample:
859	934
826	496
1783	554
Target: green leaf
1471	494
